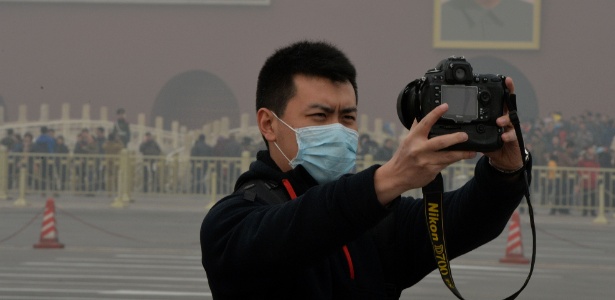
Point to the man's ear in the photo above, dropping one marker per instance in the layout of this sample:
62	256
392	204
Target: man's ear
264	119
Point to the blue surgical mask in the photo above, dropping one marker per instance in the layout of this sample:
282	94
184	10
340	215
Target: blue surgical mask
327	152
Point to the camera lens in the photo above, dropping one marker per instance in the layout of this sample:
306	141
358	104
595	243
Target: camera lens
460	74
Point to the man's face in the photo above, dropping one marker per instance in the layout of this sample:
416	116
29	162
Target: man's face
488	4
317	101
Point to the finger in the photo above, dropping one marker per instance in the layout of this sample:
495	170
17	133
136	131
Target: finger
431	118
509	136
510	85
444	141
450	157
503	121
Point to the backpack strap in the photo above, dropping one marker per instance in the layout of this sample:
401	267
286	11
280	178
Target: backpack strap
267	191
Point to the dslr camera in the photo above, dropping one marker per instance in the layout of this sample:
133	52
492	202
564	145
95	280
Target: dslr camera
474	101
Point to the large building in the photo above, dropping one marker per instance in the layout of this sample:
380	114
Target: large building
195	62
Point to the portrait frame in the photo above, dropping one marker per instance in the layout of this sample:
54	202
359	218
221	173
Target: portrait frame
460	32
169	2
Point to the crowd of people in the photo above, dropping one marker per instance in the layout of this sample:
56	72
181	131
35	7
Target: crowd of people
556	137
585	140
553	138
95	173
86	143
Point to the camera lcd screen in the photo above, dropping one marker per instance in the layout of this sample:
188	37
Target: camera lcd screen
462	102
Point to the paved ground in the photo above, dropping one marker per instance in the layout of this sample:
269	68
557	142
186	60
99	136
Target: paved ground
149	250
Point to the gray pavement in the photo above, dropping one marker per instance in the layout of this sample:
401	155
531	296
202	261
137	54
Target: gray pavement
150	250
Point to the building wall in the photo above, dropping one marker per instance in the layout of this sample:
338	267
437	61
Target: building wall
121	55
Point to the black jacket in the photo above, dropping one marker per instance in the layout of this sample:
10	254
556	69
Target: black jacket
255	250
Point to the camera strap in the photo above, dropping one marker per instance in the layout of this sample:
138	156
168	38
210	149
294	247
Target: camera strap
434	214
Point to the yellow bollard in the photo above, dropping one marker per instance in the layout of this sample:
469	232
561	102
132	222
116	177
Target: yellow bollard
213	191
117	202
4	172
122	174
601	218
21	200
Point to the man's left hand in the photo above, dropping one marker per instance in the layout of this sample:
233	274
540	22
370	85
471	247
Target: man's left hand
507	158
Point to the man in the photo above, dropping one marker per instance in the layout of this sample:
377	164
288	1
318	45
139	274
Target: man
9	140
45	143
100	139
121	128
336	236
112	148
84	161
61	163
386	151
487	20
151	152
588	184
199	165
567	159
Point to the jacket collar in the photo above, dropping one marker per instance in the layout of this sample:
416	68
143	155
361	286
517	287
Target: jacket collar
266	169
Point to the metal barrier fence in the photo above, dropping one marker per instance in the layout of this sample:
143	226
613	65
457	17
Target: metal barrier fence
129	174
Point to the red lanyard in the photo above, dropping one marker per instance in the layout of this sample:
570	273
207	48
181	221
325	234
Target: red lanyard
293	195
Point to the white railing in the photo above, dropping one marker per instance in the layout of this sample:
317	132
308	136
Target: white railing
129	175
177	139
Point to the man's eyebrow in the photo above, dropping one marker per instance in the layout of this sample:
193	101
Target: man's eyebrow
348	110
329	109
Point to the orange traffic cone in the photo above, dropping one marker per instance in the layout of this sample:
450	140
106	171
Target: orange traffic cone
514	246
49	233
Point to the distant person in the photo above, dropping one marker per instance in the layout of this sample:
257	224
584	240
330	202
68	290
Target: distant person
199	165
99	140
85	147
121	127
150	150
61	162
588	180
386	151
366	146
45	143
112	147
9	140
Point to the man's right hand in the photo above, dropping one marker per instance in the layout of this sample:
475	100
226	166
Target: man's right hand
418	159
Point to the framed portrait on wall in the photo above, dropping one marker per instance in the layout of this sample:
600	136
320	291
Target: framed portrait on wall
487	24
210	2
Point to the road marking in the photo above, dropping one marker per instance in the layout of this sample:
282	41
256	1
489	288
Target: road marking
102	265
104	277
155	293
102	292
181	257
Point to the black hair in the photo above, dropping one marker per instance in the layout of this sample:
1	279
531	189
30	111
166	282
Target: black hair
275	84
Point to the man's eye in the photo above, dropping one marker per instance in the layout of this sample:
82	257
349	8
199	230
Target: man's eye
319	115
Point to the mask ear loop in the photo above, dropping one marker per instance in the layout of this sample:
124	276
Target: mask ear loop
276	144
276	116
